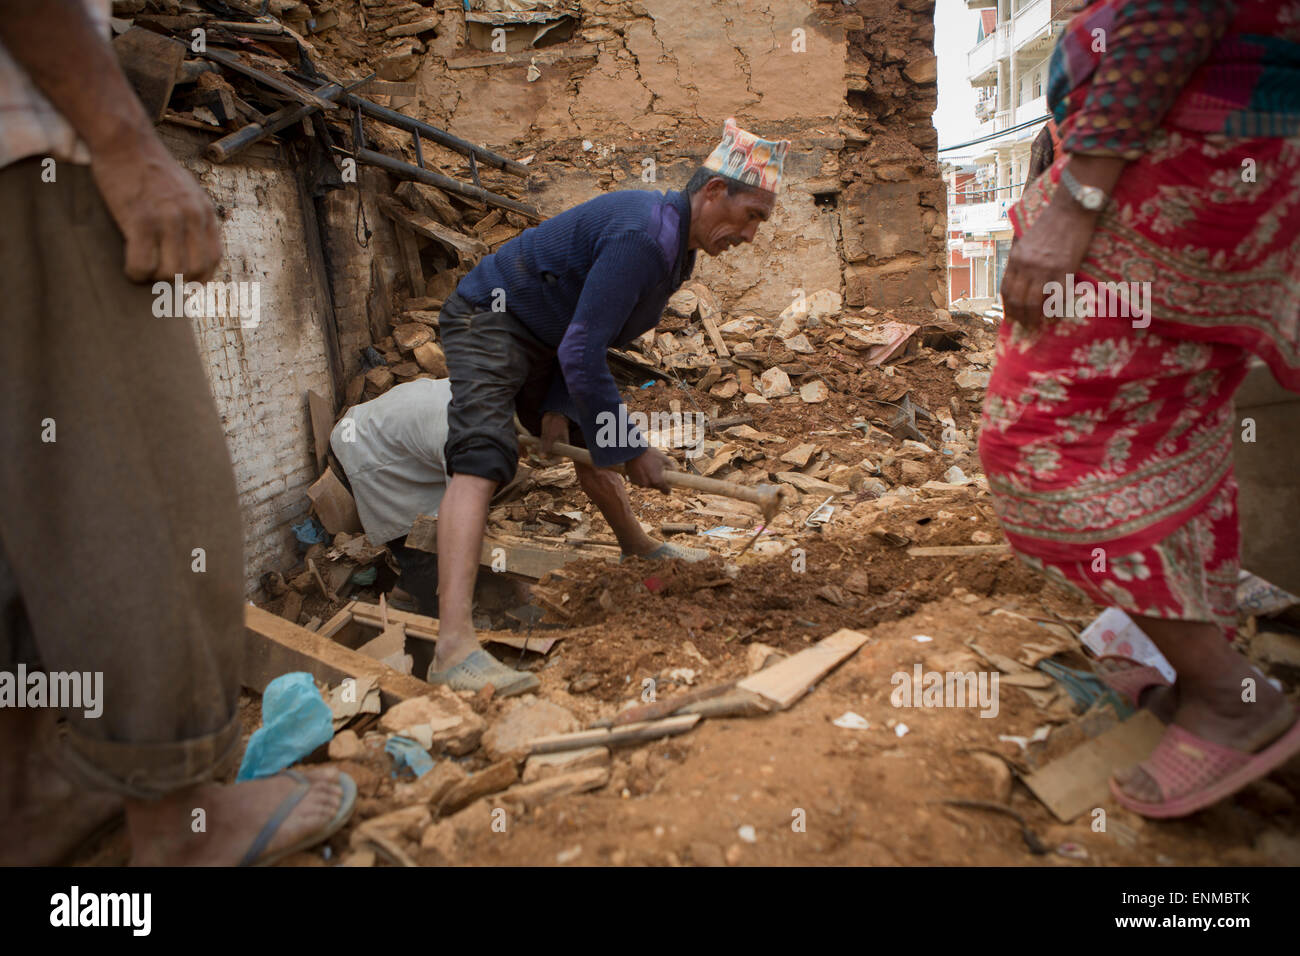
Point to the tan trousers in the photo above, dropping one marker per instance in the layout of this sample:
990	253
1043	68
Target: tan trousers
102	526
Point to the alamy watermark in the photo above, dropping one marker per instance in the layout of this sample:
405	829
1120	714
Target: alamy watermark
671	429
1112	300
65	690
924	688
213	300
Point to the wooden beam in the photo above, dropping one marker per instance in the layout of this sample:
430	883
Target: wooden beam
786	682
459	243
274	646
715	336
521	558
410	257
150	62
274	81
322	423
426	628
629	734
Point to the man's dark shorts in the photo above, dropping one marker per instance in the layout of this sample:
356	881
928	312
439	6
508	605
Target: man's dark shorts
497	368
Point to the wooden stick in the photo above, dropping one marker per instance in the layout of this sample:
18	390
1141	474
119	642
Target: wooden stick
767	497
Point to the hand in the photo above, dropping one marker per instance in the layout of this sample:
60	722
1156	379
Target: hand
647	469
1052	247
167	220
555	428
1057	243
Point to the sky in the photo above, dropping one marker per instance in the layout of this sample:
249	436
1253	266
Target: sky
955	30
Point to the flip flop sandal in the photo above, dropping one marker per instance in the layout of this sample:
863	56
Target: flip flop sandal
1130	682
480	669
669	550
254	855
1193	773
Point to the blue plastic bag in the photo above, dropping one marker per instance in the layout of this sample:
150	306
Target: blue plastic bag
408	753
295	721
310	532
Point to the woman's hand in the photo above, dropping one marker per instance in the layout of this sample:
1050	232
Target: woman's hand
1056	244
1051	248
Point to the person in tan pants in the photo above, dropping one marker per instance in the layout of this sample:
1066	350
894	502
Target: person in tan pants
116	472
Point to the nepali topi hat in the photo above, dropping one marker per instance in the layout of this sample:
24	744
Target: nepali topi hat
748	159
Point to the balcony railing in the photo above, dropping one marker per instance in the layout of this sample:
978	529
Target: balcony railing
1040	20
983	58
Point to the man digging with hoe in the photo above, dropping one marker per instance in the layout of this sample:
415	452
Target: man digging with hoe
526	332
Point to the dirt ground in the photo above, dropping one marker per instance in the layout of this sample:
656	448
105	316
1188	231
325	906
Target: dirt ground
793	788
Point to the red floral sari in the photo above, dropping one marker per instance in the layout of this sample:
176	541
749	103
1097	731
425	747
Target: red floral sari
1108	438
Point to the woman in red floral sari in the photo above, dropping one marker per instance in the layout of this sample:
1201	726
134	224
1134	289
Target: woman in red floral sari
1156	256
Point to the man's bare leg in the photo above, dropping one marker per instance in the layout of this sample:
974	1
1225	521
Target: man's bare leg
462	517
44	816
1210	690
608	492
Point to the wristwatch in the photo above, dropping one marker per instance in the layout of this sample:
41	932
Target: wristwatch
1089	197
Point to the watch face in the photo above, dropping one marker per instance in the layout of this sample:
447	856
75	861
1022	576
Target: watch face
1093	199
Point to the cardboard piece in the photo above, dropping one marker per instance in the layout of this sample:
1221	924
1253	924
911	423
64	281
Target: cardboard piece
1079	781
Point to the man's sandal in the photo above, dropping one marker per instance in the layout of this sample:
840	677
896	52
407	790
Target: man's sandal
480	669
1193	773
254	855
668	550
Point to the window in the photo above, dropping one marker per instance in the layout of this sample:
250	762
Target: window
1038	84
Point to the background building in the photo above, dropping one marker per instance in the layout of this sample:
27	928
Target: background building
1008	67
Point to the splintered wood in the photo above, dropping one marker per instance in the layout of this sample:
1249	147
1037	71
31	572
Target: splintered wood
784	683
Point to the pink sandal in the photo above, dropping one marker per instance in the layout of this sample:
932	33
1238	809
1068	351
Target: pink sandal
1130	682
1193	773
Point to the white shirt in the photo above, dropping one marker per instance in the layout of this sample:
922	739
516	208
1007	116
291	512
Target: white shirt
392	450
29	123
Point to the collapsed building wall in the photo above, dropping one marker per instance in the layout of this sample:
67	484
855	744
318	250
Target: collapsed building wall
261	366
633	96
643	82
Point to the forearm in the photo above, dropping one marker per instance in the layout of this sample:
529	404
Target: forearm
58	46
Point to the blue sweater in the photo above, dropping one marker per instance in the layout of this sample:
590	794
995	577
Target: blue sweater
596	275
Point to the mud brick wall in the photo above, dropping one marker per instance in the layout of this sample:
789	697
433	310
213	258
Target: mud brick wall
260	375
894	212
851	85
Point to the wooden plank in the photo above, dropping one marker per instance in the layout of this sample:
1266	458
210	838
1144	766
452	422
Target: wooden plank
466	246
273	646
274	81
423	535
632	733
389	88
338	621
334	505
410	257
958	550
426	628
322	423
525	560
1079	781
326	316
715	337
150	62
521	558
786	682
